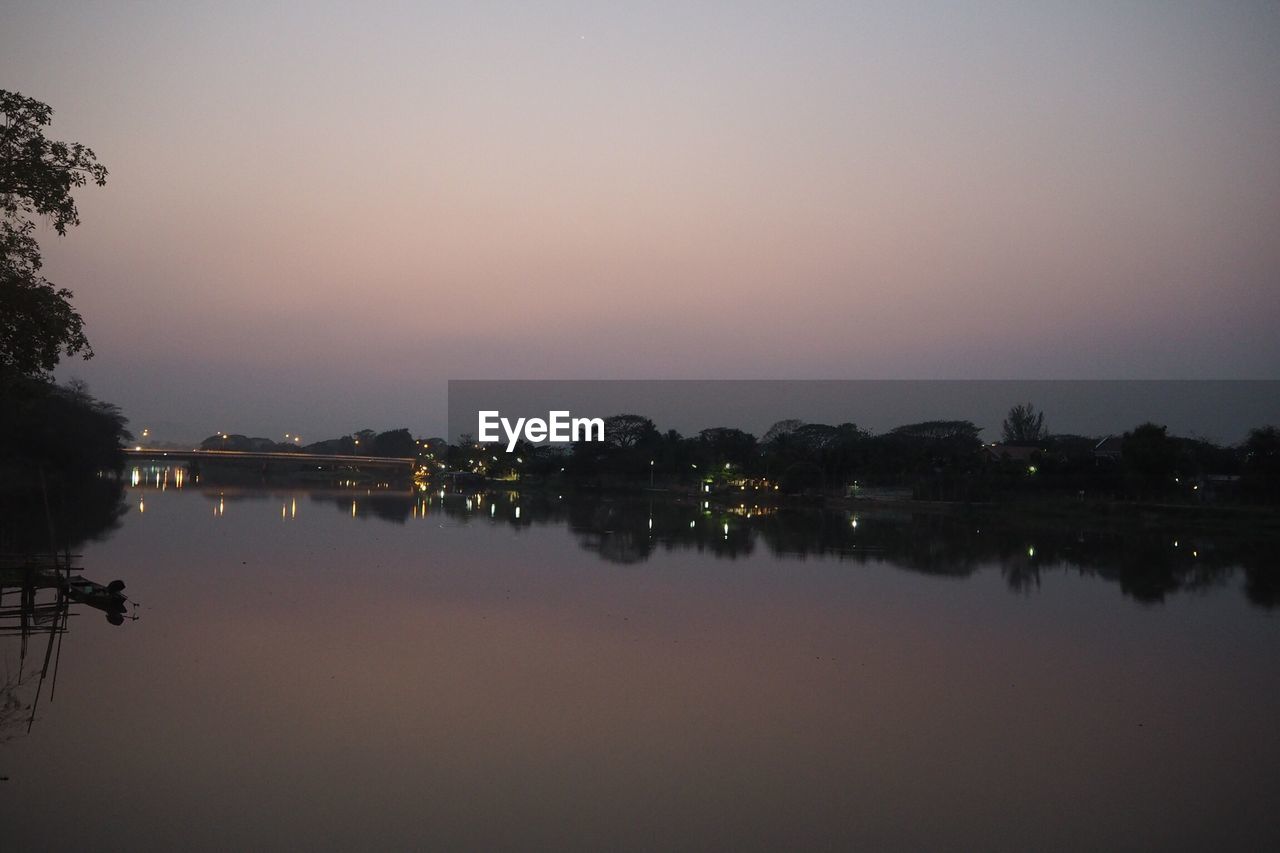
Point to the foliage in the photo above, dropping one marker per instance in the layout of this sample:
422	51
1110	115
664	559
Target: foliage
1150	458
57	430
962	432
623	431
37	176
1262	462
1024	426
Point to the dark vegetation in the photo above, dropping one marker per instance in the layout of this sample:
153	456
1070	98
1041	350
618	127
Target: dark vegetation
392	443
934	460
54	439
1148	561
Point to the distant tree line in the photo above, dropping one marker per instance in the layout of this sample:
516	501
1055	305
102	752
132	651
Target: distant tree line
1149	562
935	460
366	442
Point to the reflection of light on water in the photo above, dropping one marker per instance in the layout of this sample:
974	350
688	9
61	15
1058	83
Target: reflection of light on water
353	508
136	477
517	512
293	509
179	475
493	508
142	505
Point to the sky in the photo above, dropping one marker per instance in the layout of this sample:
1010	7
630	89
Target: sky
318	213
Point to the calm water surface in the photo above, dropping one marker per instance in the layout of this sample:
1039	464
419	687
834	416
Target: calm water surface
335	669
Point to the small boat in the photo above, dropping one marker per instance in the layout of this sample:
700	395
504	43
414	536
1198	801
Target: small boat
110	599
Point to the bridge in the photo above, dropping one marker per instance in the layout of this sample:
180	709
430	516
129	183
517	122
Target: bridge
393	463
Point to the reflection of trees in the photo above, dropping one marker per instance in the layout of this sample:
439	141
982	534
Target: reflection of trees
385	506
1148	563
1262	585
82	510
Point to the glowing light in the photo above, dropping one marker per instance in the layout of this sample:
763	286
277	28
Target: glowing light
517	512
1031	551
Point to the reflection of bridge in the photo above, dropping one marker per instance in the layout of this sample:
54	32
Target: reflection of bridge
393	463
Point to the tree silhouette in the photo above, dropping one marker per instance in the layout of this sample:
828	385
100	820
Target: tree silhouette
1024	426
37	175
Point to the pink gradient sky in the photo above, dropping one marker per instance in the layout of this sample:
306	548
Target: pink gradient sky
317	213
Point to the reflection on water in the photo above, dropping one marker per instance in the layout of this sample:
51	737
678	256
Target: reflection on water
36	598
1147	561
352	667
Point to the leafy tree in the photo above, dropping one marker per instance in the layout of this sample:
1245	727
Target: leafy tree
1024	426
1150	458
62	430
37	175
1262	461
726	444
395	442
961	432
813	437
628	430
781	429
